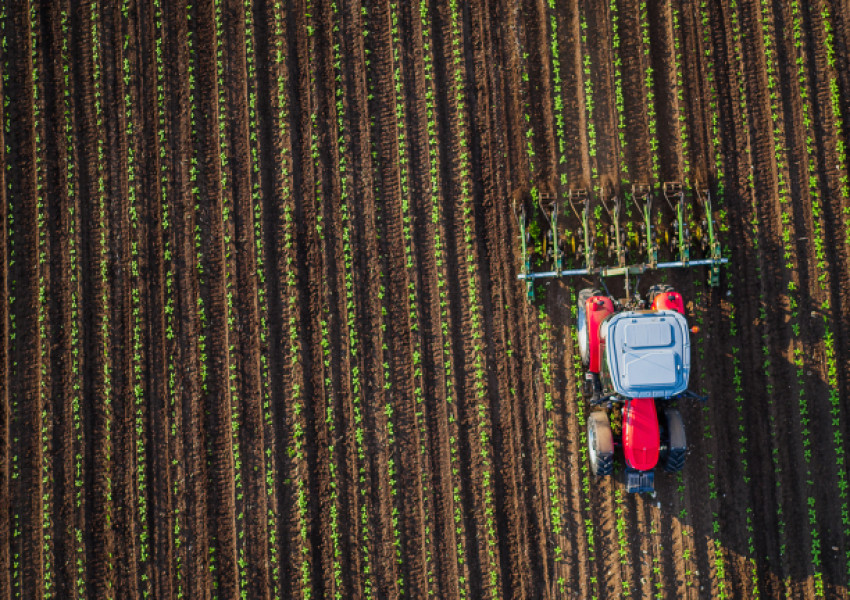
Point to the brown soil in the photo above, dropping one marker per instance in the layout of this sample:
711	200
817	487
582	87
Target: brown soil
262	331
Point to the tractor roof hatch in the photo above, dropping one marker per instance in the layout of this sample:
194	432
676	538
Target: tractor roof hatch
648	353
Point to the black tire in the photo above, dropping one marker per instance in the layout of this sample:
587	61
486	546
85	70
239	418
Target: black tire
581	325
600	444
659	288
677	447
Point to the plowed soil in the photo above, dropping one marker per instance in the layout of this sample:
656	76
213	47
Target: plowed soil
262	329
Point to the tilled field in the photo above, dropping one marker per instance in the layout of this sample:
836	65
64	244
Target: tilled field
263	335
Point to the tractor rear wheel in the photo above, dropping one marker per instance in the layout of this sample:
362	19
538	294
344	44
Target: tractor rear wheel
658	288
581	325
600	444
677	447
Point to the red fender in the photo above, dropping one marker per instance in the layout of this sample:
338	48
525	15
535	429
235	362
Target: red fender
640	433
596	308
669	301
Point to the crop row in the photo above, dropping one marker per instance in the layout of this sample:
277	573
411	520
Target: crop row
832	366
442	286
232	351
362	523
137	377
326	302
717	558
45	432
292	345
737	374
483	426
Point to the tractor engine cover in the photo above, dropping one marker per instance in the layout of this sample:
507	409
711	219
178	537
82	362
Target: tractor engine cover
647	354
640	434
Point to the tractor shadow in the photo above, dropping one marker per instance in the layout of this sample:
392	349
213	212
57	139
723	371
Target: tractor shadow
747	484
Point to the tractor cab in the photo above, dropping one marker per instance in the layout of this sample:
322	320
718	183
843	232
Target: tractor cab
637	359
646	354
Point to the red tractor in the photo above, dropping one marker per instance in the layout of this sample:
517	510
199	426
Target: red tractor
637	354
637	360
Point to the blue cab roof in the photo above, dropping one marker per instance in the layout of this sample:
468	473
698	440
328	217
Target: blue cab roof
648	353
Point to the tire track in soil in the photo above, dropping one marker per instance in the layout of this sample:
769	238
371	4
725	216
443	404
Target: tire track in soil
369	189
473	448
604	112
487	192
58	204
636	127
737	147
276	216
120	338
193	578
251	430
216	398
748	275
96	387
151	171
334	301
411	518
310	275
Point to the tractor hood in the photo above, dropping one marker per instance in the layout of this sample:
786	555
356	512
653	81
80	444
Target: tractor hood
647	354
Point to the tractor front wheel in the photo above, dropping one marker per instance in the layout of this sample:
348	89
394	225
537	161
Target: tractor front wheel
581	325
600	444
673	459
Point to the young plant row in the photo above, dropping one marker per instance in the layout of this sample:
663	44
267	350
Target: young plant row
587	508
343	154
619	108
137	377
229	250
801	60
680	86
442	286
552	444
483	426
103	264
831	359
791	264
15	467
326	302
76	315
723	226
411	263
715	155
738	36
392	450
269	466
43	268
587	79
649	87
557	88
292	344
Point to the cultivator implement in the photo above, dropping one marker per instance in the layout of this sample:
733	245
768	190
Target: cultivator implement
596	225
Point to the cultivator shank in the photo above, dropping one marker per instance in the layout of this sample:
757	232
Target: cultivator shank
546	233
